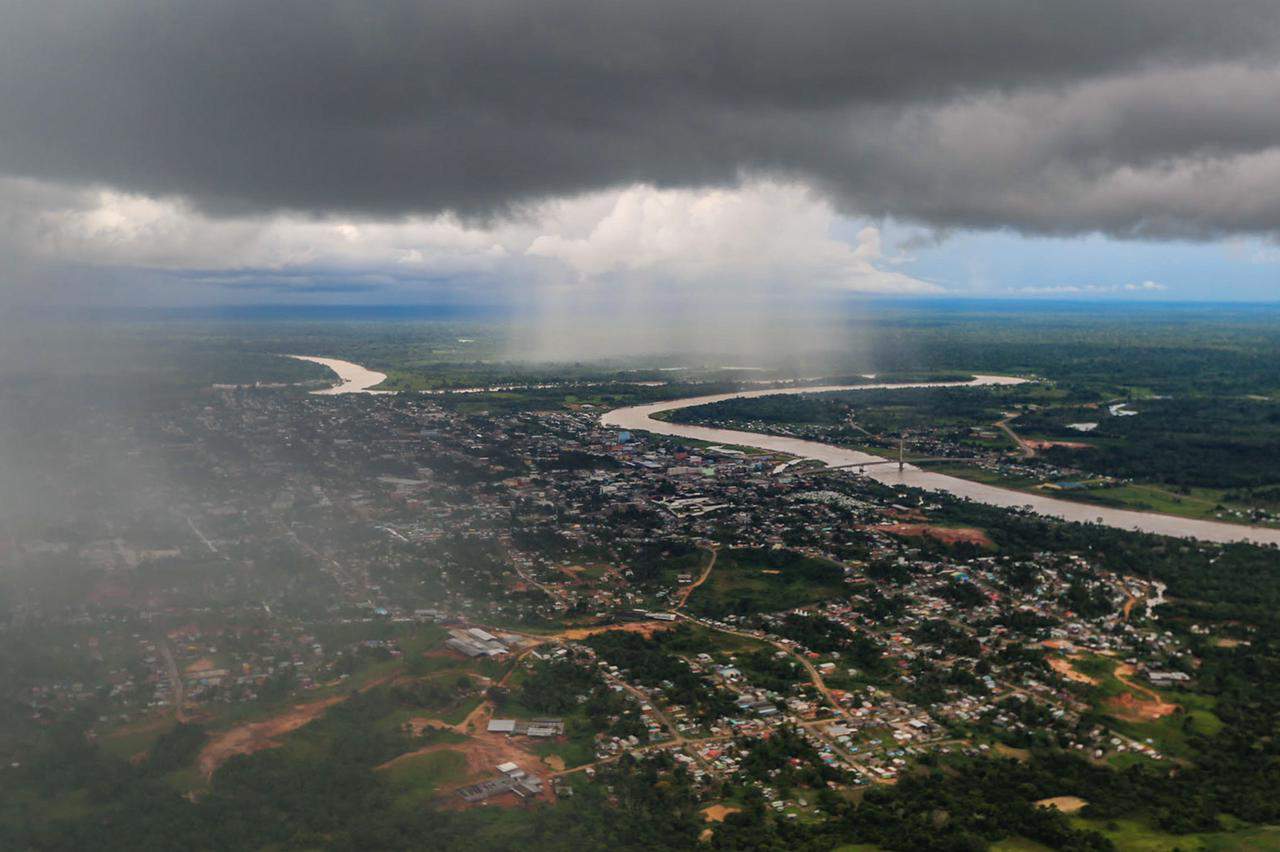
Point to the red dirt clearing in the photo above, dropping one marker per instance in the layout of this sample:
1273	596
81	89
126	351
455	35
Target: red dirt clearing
946	535
1130	707
483	752
1128	606
646	628
256	736
1066	804
717	813
1063	666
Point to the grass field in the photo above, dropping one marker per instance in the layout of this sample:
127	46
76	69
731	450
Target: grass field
578	750
674	565
1137	836
1018	844
720	645
1199	503
1170	734
127	741
758	580
415	780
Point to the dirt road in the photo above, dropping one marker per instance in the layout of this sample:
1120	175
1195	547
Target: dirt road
1028	451
179	691
706	572
1155	706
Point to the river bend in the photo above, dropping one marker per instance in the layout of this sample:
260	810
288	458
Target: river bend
640	418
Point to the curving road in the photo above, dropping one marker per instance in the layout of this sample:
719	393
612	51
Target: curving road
640	418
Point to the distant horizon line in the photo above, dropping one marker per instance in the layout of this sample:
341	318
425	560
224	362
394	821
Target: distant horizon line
474	310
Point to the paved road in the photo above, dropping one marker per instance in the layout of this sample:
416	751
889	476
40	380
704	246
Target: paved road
1028	451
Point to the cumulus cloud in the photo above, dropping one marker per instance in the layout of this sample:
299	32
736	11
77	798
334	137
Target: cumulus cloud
571	150
767	239
111	228
765	234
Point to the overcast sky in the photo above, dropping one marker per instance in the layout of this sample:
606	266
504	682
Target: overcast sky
165	152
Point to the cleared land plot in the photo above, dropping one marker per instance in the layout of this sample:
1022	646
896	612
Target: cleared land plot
418	778
256	736
1131	835
945	535
758	580
1066	804
1144	713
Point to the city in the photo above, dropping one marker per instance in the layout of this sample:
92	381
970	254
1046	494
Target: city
579	426
525	599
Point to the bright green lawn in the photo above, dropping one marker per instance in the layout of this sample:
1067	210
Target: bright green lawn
1137	836
1147	497
417	778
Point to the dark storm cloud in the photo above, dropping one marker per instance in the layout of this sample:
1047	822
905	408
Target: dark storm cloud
1129	116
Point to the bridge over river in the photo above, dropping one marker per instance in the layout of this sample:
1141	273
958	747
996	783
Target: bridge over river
640	418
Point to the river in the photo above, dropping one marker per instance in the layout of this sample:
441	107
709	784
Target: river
640	418
356	379
352	378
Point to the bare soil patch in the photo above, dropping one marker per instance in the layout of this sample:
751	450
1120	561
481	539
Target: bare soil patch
1128	606
1066	804
256	736
418	724
946	535
483	753
1130	707
1021	754
1066	445
646	628
717	813
477	719
1063	666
